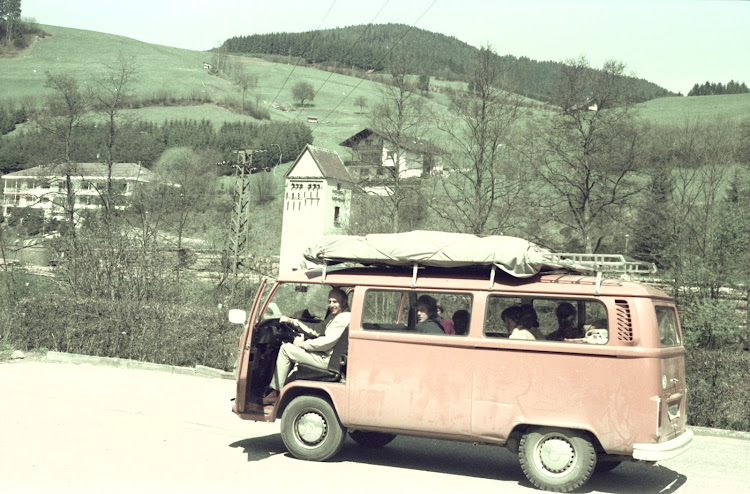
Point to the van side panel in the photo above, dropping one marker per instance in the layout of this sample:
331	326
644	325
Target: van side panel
410	382
597	393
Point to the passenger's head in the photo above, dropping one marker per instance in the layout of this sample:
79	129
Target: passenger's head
528	318
461	321
426	308
440	310
337	301
566	314
511	316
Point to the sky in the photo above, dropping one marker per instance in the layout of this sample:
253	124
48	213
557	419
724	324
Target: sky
673	43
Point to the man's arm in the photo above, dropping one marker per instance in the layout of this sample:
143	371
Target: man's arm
331	336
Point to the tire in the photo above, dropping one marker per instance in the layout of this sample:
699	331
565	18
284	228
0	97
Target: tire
557	460
606	466
369	439
311	429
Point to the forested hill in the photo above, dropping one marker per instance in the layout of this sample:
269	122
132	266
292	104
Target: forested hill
367	47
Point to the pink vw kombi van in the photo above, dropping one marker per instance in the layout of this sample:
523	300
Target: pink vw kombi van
592	375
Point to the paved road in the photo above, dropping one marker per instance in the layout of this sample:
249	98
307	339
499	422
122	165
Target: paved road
68	428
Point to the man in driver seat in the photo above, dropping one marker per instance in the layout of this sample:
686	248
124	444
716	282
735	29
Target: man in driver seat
316	351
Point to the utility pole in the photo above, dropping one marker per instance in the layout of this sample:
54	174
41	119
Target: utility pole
239	234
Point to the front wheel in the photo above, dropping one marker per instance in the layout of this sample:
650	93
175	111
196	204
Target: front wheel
311	429
369	439
557	460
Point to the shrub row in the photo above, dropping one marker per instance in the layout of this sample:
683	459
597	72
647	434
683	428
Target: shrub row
718	384
172	334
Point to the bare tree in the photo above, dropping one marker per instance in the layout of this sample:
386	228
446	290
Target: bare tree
66	112
481	187
399	120
698	156
587	154
10	10
113	89
245	81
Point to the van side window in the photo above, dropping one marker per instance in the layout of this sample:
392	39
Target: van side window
667	320
547	319
416	311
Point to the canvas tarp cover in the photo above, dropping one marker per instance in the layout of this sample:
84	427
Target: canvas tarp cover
513	255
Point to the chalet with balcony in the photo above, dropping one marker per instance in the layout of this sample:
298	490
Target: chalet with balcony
376	158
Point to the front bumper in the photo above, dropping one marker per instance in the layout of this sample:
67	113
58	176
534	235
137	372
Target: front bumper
665	450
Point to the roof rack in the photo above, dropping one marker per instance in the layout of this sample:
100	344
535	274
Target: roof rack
598	262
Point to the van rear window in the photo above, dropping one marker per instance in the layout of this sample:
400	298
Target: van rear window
547	319
667	320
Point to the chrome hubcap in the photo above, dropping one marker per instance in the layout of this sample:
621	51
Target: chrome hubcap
556	455
311	428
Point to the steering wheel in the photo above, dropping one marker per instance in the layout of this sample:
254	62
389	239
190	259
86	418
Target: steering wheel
273	328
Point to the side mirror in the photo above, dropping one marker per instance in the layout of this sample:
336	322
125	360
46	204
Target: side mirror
237	316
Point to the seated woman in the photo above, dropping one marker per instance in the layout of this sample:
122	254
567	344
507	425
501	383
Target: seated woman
427	315
566	321
316	351
522	322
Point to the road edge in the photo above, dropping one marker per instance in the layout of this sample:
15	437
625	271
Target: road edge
198	370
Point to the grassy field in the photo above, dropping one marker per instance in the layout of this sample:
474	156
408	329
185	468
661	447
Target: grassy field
678	109
85	53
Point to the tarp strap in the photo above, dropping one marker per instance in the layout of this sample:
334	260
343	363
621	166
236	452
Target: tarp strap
492	278
414	275
598	282
323	279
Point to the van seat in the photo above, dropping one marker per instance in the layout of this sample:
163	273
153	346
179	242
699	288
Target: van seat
336	365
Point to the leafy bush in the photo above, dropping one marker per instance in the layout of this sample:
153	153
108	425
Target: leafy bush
709	323
718	391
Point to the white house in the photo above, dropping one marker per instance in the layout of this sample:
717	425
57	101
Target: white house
317	202
43	187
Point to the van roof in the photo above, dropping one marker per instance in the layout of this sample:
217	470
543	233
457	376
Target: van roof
471	278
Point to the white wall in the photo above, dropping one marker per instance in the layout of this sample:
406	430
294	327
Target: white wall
310	202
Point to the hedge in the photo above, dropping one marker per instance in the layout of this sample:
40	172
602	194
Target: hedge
173	334
718	384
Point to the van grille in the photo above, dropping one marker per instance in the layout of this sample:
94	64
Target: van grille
624	323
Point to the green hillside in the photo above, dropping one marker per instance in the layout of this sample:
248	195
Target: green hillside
84	53
180	73
368	47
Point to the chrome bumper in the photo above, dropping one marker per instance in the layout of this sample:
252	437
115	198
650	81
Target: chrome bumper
665	450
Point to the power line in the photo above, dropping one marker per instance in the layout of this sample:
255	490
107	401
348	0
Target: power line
303	53
381	59
330	74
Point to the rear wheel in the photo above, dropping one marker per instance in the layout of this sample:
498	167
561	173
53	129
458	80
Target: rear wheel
369	439
311	429
557	460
